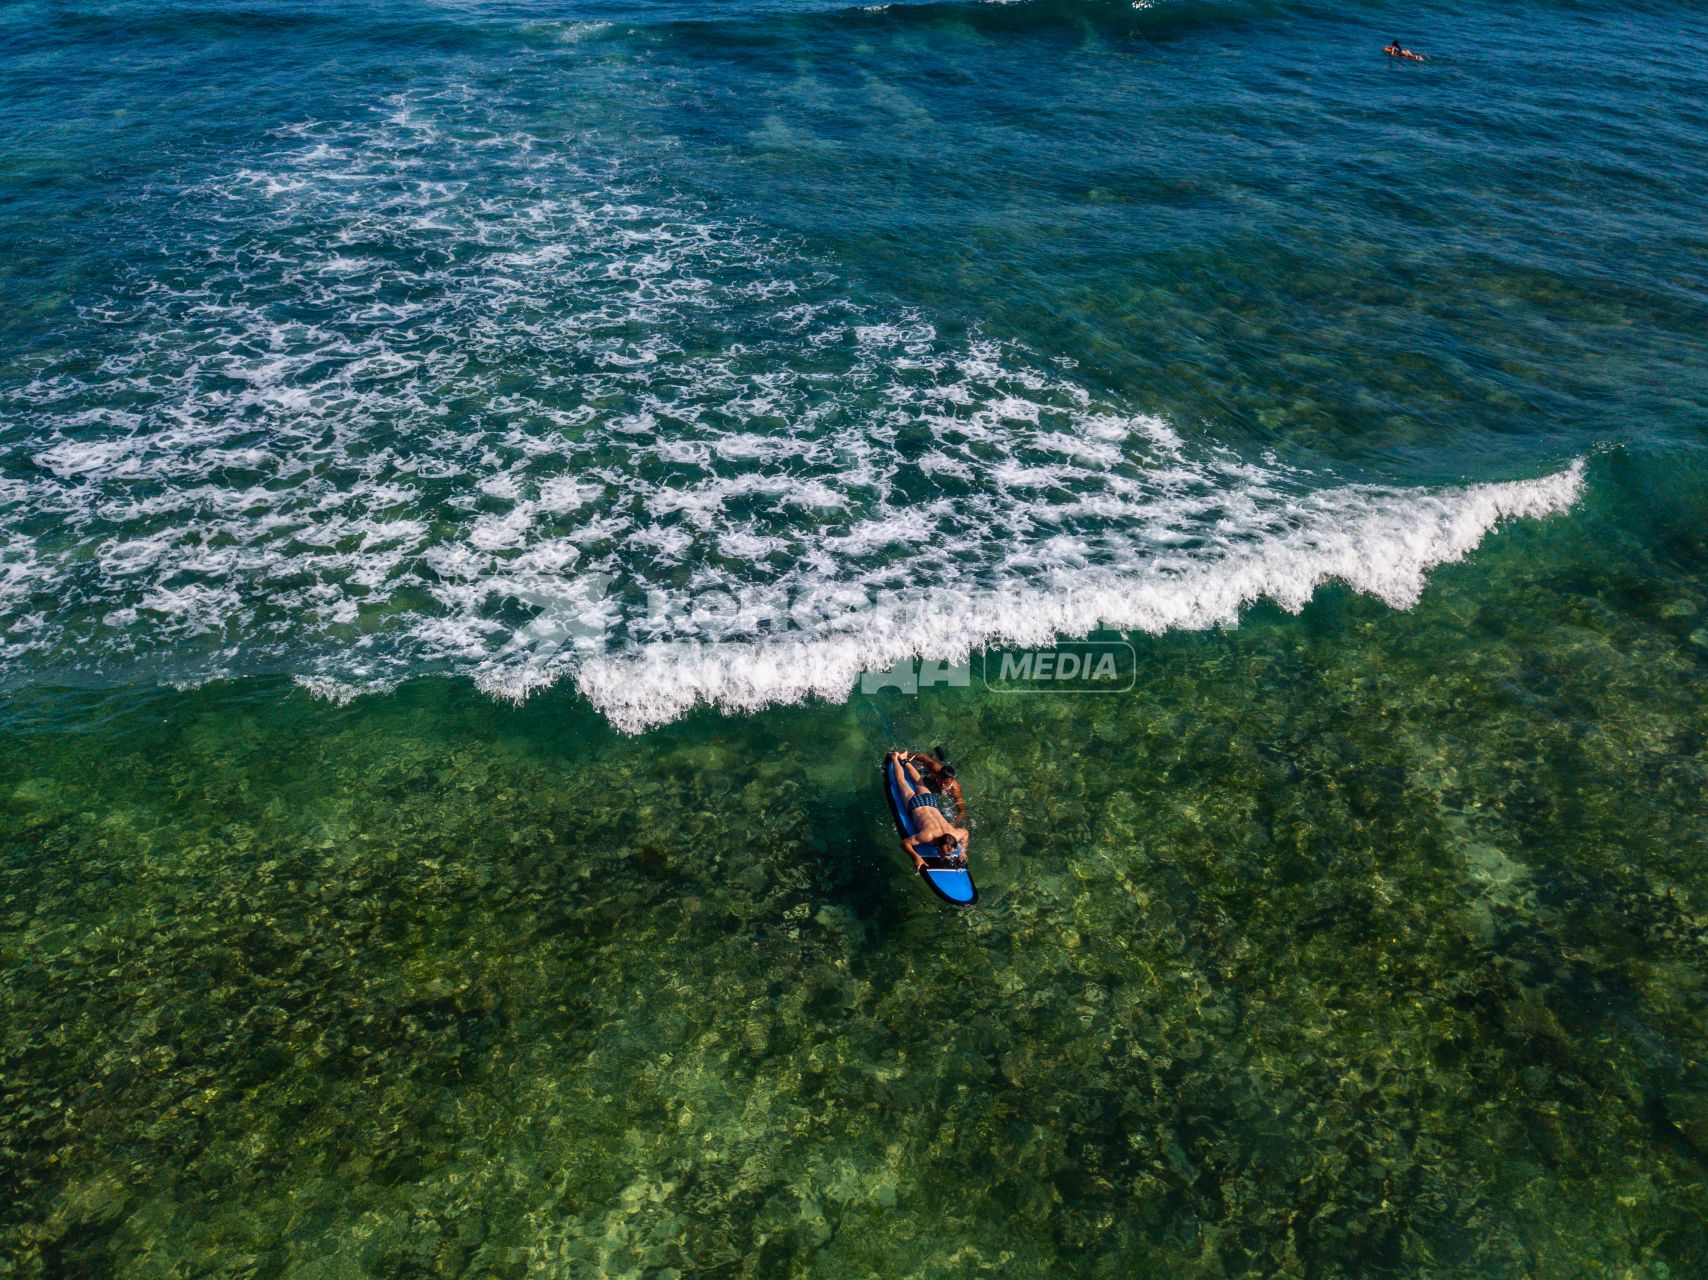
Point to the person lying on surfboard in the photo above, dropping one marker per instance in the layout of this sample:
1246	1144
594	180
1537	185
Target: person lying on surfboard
939	776
937	835
1394	49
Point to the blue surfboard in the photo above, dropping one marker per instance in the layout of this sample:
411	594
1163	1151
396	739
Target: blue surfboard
952	884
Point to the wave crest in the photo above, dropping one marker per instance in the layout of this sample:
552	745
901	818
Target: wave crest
1380	541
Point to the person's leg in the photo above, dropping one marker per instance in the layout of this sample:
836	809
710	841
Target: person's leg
907	791
911	775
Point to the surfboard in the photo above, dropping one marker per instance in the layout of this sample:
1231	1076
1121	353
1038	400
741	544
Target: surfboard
952	884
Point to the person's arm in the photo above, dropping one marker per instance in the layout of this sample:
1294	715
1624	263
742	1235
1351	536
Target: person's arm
953	791
911	844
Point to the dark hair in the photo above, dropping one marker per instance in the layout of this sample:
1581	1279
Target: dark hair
948	771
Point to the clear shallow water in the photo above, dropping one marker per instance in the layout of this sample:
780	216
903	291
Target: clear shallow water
625	356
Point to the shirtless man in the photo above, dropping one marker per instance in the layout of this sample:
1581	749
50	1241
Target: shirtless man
937	835
1394	49
940	777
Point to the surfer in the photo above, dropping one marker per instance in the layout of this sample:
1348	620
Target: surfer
1395	49
936	834
940	777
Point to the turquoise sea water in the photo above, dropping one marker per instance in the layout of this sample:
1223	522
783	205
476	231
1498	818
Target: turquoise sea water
457	460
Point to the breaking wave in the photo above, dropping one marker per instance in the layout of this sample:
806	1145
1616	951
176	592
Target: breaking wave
428	391
1379	541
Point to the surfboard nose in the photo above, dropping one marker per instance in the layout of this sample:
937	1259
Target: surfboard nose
956	886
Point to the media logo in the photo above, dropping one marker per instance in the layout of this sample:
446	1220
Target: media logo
1078	666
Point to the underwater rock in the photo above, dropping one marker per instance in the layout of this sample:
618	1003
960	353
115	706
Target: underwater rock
331	1266
96	1201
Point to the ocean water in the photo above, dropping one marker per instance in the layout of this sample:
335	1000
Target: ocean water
457	461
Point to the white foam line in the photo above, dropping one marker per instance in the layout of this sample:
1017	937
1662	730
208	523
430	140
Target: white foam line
1379	541
342	693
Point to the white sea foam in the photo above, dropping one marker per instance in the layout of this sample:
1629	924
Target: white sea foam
1380	541
547	422
342	692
